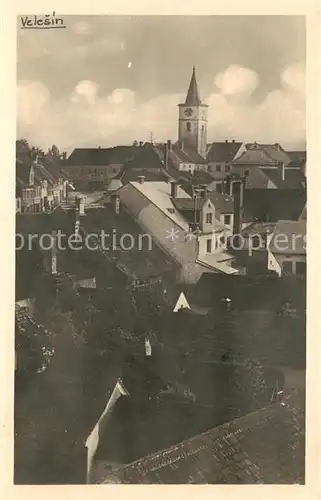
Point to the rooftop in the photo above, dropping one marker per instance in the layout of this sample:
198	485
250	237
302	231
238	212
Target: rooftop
264	447
223	151
289	237
100	156
159	193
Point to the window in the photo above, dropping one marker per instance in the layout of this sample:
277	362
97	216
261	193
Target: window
219	187
188	126
227	168
227	220
209	246
301	268
209	218
287	267
218	168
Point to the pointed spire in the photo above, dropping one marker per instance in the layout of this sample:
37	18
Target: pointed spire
193	98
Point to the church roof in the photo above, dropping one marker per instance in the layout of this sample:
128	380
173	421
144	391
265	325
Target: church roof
193	98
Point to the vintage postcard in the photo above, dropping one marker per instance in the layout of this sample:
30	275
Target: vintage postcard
161	171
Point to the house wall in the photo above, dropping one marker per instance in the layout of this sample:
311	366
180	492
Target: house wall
225	167
208	208
275	262
190	167
229	227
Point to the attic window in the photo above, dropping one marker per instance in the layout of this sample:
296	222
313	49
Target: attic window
171	210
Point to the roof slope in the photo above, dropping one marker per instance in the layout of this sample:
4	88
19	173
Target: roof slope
223	151
101	156
264	447
289	237
271	205
222	202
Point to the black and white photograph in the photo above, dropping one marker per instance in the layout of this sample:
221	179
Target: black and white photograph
160	250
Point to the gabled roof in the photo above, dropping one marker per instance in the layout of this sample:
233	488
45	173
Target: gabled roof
101	156
144	156
186	154
223	151
266	446
289	237
275	151
256	156
192	97
222	202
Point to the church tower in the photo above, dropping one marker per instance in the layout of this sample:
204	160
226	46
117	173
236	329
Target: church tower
192	120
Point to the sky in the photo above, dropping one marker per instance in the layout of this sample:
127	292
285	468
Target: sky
108	80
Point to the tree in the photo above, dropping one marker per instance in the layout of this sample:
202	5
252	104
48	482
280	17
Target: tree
54	151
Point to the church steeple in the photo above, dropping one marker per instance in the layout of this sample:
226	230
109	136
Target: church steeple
193	98
192	119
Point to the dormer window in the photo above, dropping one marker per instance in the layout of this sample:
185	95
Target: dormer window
171	210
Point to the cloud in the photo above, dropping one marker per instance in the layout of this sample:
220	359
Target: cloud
85	92
237	80
86	118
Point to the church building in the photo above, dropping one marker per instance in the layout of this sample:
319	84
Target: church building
192	121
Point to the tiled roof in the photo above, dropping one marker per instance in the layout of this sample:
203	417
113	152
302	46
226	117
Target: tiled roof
263	447
293	178
255	293
289	237
222	202
223	151
159	194
256	179
185	154
144	157
192	97
271	205
257	156
101	156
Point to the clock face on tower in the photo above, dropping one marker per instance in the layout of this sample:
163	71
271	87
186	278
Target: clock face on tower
188	112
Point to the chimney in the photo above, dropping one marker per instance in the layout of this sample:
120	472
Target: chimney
203	191
116	203
174	189
50	260
281	169
141	179
226	141
167	149
64	156
80	201
233	140
141	144
169	145
237	191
